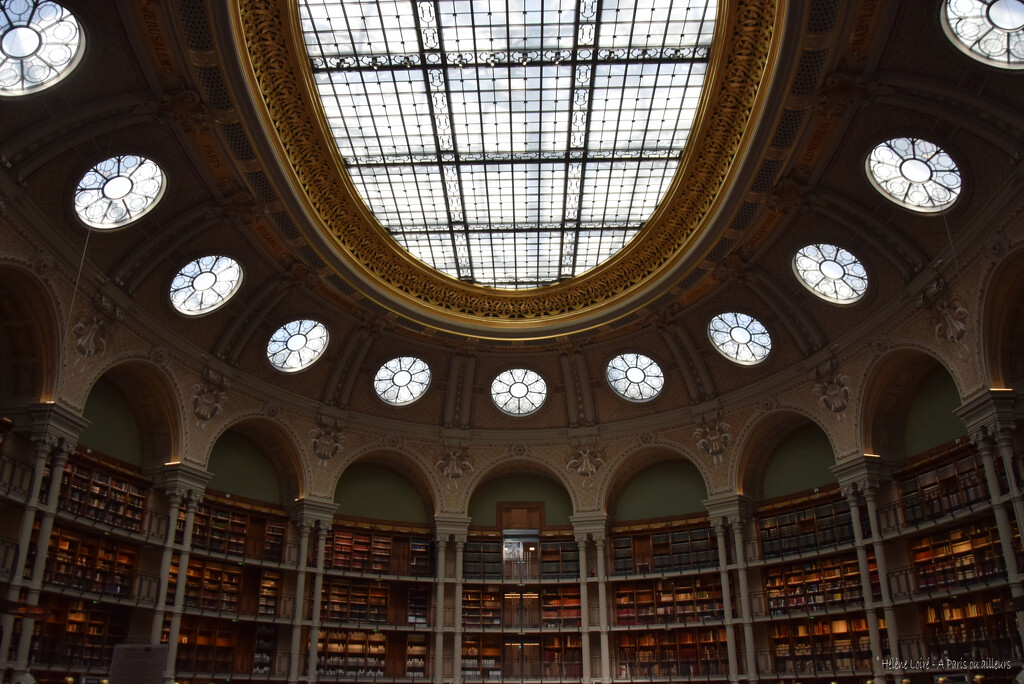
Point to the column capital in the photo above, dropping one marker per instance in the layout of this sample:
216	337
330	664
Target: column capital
312	510
861	472
447	525
188	480
991	411
730	507
589	524
47	423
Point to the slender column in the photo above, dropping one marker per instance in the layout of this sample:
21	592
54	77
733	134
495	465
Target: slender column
58	457
191	504
984	443
1004	447
28	518
744	599
602	609
882	567
581	545
864	570
173	506
322	530
723	577
439	622
460	544
298	611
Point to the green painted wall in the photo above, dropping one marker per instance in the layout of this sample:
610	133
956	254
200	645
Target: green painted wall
930	420
520	487
112	430
241	467
673	488
370	491
800	463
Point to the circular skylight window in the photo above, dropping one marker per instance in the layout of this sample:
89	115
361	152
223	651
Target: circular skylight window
635	377
118	191
518	391
740	337
402	381
204	284
511	145
831	272
991	31
296	345
40	43
914	173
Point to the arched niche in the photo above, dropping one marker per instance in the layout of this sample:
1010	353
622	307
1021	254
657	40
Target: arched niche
657	484
133	416
29	339
385	486
517	491
1003	331
255	459
908	407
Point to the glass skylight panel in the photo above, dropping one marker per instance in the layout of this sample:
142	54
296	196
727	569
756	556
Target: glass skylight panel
518	391
635	377
117	191
991	31
40	43
296	345
402	380
831	272
914	173
511	145
740	338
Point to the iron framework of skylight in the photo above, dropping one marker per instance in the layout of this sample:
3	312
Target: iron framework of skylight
510	144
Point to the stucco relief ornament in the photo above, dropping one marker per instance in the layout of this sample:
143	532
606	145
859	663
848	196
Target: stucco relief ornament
327	441
832	389
454	464
90	336
713	436
950	321
585	462
209	395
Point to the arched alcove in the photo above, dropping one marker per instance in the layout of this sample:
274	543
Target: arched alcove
28	337
133	416
668	488
374	491
505	489
1004	325
800	462
257	460
930	421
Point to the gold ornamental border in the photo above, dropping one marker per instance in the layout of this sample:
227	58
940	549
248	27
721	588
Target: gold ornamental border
742	50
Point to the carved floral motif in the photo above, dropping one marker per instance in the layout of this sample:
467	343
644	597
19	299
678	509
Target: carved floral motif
453	464
209	395
327	441
713	435
832	388
585	462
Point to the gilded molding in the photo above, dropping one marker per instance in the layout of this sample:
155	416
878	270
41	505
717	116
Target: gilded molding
743	51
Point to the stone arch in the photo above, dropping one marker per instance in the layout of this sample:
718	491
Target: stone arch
518	466
1003	325
639	460
403	465
890	385
154	403
761	440
278	445
29	338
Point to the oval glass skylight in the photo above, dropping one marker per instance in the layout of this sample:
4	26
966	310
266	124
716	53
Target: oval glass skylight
635	377
204	284
40	43
991	31
740	338
118	191
296	345
914	173
518	391
831	272
402	381
510	145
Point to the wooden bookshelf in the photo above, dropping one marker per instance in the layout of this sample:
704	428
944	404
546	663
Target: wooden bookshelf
829	644
416	656
236	529
699	652
562	656
265	649
104	492
481	657
669	600
352	653
481	606
943	481
658	551
380	552
559	559
560	606
213	646
805	528
354	601
825	583
482	560
958	556
78	633
82	561
972	627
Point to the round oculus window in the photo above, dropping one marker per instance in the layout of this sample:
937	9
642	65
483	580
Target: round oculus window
635	377
118	191
914	173
518	391
740	338
40	43
297	345
402	380
204	284
990	31
831	272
